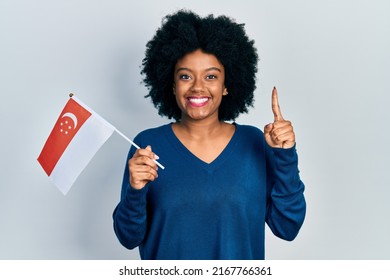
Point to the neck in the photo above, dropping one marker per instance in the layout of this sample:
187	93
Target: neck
200	129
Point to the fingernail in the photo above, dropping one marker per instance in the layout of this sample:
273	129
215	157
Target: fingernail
156	157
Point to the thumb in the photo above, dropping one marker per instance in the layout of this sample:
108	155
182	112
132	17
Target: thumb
268	128
149	148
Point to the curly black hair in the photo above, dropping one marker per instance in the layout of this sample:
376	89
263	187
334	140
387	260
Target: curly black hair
184	32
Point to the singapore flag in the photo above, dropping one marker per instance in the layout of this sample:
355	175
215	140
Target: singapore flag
76	137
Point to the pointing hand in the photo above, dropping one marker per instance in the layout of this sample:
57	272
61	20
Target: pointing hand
280	133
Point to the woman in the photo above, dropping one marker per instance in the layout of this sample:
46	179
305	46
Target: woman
223	181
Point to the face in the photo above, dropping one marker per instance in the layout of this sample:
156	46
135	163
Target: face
199	85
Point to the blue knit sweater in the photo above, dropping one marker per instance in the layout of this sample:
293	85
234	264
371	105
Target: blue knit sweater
196	210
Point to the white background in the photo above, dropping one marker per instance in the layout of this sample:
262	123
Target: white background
329	59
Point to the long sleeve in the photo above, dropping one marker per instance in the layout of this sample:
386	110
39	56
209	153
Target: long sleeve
286	206
130	214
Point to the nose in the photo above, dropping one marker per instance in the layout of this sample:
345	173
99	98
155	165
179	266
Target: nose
197	85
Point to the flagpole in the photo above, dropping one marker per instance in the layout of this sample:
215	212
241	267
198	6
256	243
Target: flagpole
71	95
136	146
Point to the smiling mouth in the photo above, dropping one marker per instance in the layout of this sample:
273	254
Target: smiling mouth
198	101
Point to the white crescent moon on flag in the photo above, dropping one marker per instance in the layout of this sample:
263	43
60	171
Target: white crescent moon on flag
72	116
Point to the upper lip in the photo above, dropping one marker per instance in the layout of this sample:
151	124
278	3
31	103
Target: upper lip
196	97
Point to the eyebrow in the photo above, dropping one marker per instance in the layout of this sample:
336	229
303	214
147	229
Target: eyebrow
208	69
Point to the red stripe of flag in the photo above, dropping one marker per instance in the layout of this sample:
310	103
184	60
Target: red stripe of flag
72	117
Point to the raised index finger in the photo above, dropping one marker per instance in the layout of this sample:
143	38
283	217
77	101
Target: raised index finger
275	106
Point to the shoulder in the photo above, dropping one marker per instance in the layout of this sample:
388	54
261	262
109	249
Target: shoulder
150	136
251	135
248	130
152	132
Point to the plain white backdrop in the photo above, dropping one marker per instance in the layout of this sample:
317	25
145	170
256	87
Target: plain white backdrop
330	61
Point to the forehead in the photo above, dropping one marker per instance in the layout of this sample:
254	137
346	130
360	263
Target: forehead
198	60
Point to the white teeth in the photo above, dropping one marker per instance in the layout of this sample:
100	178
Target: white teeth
198	100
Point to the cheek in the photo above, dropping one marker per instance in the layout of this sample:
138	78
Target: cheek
180	101
180	89
218	90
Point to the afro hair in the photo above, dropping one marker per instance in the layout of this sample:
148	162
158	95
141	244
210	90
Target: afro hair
184	32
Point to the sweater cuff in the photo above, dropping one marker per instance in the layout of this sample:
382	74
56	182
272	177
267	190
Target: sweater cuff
136	196
285	157
285	164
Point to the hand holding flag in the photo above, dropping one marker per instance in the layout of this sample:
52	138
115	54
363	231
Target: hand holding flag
142	168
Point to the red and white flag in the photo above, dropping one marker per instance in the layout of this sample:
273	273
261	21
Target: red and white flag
76	137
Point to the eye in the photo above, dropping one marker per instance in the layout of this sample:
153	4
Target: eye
211	77
184	77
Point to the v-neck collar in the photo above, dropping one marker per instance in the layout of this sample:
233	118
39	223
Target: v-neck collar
193	159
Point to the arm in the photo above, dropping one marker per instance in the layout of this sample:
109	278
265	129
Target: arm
130	215
286	206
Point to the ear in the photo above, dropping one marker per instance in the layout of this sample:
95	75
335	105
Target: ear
174	89
225	92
